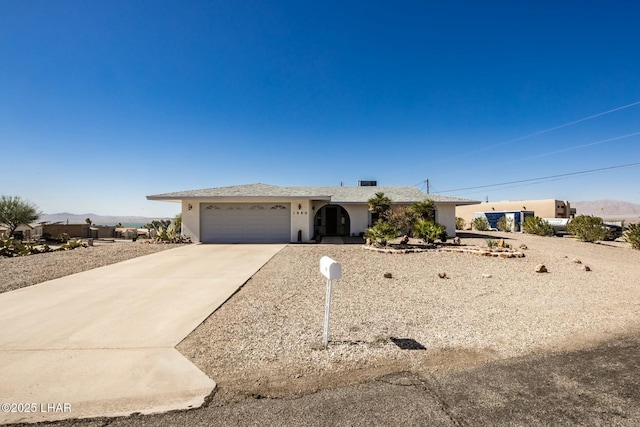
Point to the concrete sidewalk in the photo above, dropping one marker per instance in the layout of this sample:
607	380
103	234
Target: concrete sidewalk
100	343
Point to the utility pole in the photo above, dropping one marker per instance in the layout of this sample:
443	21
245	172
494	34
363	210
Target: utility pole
427	182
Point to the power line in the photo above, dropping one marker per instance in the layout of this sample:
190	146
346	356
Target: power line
575	147
545	177
557	127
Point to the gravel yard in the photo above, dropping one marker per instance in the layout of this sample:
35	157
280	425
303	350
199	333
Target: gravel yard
266	340
19	272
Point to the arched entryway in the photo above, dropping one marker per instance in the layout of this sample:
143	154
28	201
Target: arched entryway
331	220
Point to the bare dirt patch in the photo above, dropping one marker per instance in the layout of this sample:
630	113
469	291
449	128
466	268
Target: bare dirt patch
265	341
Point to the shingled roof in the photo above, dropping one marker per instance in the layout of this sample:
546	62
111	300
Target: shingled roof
399	194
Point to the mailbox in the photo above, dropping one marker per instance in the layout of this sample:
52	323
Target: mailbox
330	269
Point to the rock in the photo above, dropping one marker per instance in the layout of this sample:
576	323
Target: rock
486	276
586	268
456	241
523	246
388	275
404	240
540	268
368	241
577	261
501	243
442	275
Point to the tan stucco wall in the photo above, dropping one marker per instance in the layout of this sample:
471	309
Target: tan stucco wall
547	208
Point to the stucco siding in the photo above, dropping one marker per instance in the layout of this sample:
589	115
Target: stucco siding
360	217
446	215
300	220
546	208
191	220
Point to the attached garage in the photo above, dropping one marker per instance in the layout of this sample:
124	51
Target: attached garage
245	222
263	213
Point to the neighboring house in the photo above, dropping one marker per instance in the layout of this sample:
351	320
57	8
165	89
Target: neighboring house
261	213
78	231
547	208
24	231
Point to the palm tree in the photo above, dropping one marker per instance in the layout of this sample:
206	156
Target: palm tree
380	206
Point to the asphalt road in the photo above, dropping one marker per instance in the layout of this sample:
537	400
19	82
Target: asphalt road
593	387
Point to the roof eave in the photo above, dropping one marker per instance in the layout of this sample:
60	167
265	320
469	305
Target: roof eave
234	198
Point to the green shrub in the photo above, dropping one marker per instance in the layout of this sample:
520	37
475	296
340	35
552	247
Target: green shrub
505	224
460	223
13	247
632	235
170	234
429	231
538	226
425	210
491	243
63	238
480	223
381	233
587	228
380	206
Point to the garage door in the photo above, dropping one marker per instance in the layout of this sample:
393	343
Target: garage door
245	222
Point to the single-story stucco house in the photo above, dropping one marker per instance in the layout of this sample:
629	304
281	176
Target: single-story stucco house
262	213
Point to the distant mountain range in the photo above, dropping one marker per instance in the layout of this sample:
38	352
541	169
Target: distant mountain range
608	209
66	217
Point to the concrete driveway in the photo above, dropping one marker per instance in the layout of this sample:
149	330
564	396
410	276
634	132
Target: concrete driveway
101	342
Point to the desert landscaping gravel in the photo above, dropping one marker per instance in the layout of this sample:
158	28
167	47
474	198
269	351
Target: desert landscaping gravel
18	272
266	340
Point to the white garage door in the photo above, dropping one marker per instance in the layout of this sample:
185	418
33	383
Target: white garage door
245	222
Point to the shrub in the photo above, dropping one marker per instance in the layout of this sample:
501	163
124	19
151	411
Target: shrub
505	224
632	235
587	228
403	220
381	233
72	244
380	205
13	247
429	231
425	210
480	223
170	234
158	224
538	226
491	243
460	223
63	238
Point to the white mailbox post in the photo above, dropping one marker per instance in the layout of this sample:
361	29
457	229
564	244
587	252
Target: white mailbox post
332	271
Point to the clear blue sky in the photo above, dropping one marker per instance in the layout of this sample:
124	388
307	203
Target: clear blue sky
103	103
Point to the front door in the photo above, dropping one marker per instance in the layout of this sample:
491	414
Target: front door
331	218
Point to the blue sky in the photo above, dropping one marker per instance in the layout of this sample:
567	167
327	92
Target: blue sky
104	103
